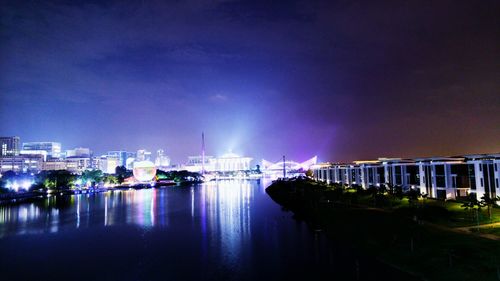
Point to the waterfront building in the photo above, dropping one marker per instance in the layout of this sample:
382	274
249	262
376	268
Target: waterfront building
9	146
77	164
79	152
231	162
162	160
372	173
95	162
195	164
21	163
53	149
483	174
42	153
143	155
290	166
108	163
121	155
438	177
54	165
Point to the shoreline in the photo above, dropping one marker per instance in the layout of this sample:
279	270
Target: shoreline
418	248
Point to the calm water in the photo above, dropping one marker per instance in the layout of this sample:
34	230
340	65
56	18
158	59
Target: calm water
227	230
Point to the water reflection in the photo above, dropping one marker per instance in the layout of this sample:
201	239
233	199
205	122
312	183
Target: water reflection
222	207
226	230
225	207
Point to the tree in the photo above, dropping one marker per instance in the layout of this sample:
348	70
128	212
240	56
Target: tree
110	179
60	179
398	192
121	173
309	173
382	189
471	203
413	195
9	175
489	202
91	176
257	169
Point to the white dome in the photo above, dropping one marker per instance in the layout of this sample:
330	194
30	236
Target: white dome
144	171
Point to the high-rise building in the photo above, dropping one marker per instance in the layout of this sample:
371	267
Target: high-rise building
42	153
121	155
21	163
77	164
143	155
79	152
161	160
53	149
9	146
108	164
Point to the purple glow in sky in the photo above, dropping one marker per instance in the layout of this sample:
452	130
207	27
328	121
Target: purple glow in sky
343	80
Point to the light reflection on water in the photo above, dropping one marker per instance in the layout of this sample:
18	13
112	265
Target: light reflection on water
226	230
223	206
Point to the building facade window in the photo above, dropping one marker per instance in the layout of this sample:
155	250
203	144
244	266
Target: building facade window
440	176
472	176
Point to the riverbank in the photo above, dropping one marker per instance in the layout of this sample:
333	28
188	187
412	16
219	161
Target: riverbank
432	251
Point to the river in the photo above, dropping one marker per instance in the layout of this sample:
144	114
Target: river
225	230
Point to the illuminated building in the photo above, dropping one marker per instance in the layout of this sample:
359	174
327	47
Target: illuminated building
144	171
162	160
121	155
78	164
9	146
95	162
108	164
21	163
438	177
130	160
289	166
143	155
231	162
54	165
79	152
195	164
53	149
42	153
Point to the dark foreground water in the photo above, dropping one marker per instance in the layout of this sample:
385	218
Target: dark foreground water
227	230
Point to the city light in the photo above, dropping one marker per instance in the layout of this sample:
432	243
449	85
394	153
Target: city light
26	184
144	171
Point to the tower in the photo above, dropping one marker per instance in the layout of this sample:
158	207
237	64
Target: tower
202	153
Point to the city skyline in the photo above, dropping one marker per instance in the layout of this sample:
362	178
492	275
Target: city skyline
249	140
339	80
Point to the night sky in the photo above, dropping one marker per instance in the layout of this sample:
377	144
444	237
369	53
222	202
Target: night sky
344	80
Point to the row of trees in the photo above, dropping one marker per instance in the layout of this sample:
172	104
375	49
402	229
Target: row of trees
62	179
386	194
179	176
471	203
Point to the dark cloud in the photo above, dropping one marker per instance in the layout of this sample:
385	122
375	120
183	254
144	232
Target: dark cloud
342	79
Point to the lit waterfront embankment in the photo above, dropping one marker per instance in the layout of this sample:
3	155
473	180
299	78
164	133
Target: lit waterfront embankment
394	237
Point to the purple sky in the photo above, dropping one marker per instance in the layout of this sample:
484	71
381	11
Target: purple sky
343	80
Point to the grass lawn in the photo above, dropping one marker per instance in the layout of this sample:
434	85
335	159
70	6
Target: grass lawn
391	234
456	215
490	230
